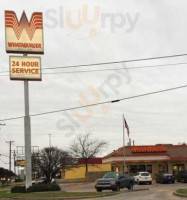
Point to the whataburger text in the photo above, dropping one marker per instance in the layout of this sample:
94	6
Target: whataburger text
24	36
25	68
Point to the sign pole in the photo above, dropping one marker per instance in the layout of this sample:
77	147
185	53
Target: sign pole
27	129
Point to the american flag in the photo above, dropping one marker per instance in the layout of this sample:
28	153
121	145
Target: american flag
127	127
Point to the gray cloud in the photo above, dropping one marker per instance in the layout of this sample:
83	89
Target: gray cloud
159	30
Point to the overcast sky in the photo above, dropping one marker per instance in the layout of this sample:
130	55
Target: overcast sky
123	30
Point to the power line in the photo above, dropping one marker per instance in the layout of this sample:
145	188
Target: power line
4	155
112	62
9	133
4	130
118	62
2	161
101	103
112	69
2	125
116	69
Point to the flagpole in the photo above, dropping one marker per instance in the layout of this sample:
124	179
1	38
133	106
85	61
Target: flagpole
124	164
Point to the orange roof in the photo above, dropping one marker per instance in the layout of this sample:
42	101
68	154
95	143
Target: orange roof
174	152
150	149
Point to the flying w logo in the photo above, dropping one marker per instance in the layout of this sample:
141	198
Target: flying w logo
35	23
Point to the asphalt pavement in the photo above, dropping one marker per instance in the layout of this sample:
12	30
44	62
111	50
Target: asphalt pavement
154	192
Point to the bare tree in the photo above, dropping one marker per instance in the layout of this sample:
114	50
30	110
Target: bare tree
86	148
50	161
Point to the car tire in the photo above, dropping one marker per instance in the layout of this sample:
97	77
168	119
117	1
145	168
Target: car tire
130	187
99	190
138	182
150	183
117	189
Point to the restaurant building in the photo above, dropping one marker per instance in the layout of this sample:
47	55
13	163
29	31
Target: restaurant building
153	158
95	166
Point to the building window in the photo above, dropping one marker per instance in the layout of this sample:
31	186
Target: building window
133	169
162	168
149	169
117	169
141	168
177	169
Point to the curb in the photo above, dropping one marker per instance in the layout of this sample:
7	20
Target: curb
180	195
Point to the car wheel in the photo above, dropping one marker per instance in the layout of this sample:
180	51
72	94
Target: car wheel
99	190
117	189
138	182
150	183
130	187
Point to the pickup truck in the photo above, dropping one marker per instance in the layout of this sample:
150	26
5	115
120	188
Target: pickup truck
114	181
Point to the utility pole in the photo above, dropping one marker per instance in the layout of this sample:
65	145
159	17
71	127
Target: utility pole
10	154
49	140
14	154
124	163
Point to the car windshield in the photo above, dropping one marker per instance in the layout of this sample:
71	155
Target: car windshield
145	174
111	175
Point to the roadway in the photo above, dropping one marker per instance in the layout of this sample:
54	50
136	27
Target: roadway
154	192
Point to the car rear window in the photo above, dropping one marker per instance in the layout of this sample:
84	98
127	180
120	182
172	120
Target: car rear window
145	174
167	175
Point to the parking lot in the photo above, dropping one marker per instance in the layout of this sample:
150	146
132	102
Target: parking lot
154	192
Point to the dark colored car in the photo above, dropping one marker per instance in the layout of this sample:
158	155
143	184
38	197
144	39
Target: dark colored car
182	176
165	178
114	181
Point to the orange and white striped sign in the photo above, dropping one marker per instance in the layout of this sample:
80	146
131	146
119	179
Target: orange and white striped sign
24	36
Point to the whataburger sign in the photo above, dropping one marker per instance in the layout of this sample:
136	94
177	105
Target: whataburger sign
24	36
25	68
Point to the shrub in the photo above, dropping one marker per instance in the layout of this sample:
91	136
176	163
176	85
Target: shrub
18	189
36	188
43	188
18	180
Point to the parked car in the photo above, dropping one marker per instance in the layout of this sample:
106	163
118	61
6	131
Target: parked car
42	180
114	181
143	177
39	181
165	178
182	176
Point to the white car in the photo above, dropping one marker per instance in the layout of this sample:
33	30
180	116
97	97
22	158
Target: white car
143	177
38	181
41	181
